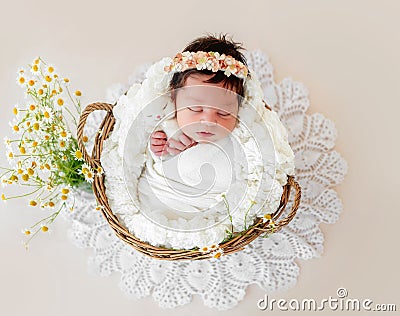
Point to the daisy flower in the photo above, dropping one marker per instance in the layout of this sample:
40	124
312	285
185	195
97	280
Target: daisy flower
47	114
33	203
62	144
66	81
99	207
21	80
35	69
26	231
10	156
213	247
217	254
44	228
16	111
89	176
77	155
65	135
267	217
204	249
50	70
99	171
3	181
7	141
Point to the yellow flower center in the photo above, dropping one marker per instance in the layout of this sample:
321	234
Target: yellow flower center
16	128
22	150
36	126
45	228
64	191
50	69
64	197
31	82
21	80
217	255
267	216
48	78
60	102
15	111
32	203
78	93
78	154
46	114
25	177
30	171
35	68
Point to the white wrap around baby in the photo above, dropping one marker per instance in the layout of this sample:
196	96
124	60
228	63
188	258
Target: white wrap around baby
188	183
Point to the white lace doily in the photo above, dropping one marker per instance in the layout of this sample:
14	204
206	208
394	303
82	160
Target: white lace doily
268	262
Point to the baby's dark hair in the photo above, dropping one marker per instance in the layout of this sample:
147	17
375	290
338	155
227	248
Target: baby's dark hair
213	43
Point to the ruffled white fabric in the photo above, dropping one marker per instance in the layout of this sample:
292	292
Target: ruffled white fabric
270	262
259	175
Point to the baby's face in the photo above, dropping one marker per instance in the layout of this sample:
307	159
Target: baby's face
206	112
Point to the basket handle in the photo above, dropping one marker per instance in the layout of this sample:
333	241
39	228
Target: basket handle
291	183
296	202
94	163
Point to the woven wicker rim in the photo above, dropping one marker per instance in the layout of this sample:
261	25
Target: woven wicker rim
233	245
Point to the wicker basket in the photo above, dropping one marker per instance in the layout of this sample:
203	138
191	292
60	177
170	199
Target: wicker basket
235	244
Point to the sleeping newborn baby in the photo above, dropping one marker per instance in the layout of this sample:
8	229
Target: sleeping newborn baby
190	158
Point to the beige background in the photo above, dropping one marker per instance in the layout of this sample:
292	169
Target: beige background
345	52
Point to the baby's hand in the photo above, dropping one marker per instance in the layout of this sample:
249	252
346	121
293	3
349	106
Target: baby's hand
161	146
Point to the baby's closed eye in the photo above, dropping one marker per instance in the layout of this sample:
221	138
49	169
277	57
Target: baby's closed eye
200	109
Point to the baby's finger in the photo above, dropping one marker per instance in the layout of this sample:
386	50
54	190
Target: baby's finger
155	148
158	153
185	140
173	151
158	141
159	134
176	144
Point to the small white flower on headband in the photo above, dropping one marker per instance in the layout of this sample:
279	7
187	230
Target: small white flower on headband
208	61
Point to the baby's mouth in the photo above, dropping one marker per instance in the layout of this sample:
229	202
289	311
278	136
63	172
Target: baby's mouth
205	134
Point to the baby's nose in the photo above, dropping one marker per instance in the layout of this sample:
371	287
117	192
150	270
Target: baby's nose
208	123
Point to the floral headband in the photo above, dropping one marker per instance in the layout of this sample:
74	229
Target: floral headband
213	61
